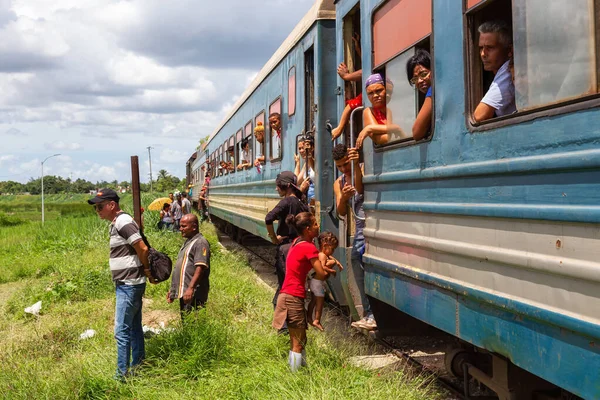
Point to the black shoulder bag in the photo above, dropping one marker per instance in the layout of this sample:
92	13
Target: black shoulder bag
160	263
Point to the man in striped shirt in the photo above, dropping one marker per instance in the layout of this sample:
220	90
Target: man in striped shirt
129	268
189	282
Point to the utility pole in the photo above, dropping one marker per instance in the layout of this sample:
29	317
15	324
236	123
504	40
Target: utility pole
54	155
150	163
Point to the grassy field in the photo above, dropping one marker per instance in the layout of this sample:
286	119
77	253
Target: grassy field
227	351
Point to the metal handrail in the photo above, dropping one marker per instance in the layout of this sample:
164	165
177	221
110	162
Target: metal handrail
352	163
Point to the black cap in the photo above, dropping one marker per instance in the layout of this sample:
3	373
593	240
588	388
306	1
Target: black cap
104	194
286	178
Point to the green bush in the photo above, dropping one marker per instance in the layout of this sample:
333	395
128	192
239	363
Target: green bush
8	220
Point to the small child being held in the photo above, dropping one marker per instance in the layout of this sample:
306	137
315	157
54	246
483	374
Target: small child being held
328	242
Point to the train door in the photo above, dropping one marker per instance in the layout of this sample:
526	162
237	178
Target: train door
352	88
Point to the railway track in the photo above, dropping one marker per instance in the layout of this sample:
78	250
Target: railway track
423	355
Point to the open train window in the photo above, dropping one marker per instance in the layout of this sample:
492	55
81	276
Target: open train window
238	148
291	91
275	130
402	37
224	159
247	154
231	160
545	57
352	51
260	148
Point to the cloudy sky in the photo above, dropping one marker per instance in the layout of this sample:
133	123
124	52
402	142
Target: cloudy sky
100	80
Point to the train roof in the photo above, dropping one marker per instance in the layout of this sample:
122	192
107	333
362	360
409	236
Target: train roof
322	9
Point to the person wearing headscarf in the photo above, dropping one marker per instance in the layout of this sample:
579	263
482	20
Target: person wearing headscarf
377	119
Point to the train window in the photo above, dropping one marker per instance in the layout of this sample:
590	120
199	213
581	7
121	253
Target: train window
238	147
552	58
247	154
291	91
259	136
248	129
231	156
275	129
401	33
224	169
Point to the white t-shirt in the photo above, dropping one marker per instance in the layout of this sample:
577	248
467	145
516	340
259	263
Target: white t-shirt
246	156
276	145
501	94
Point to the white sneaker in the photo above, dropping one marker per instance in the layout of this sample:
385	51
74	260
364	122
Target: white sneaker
365	323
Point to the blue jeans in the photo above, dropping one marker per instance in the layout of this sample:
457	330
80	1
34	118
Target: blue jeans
128	326
358	249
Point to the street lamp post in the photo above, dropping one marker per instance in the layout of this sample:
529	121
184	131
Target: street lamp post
54	155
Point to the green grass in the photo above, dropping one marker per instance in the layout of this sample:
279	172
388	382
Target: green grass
226	351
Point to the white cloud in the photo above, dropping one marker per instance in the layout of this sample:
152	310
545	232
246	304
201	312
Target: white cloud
110	77
60	145
170	156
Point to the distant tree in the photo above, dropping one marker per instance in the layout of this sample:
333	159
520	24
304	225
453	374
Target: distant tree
162	174
11	187
202	142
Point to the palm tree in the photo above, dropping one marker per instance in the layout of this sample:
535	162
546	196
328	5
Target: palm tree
162	174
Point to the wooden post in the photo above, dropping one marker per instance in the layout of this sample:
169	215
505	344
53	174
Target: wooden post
135	190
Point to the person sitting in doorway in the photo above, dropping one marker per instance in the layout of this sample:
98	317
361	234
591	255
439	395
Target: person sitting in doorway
418	73
495	49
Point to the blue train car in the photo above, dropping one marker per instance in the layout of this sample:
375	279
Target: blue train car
488	231
195	171
298	82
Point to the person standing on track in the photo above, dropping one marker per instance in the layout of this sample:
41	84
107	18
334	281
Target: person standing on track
303	256
290	204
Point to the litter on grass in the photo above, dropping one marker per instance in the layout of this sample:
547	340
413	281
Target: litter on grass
87	334
34	309
150	331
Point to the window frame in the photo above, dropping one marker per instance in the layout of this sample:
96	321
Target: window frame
271	158
248	134
224	157
264	144
585	102
231	142
237	146
291	99
409	141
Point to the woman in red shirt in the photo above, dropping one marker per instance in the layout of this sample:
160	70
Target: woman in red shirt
377	119
302	257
